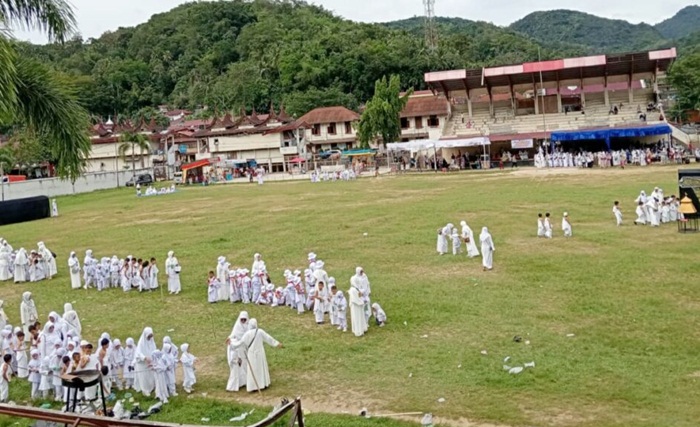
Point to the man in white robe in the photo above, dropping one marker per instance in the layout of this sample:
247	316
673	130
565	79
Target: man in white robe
172	270
144	379
258	374
468	238
358	321
236	357
360	281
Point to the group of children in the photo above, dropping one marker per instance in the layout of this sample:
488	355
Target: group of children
127	274
151	191
464	238
312	290
544	225
20	266
345	175
656	209
57	349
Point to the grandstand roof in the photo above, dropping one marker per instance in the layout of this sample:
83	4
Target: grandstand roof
557	70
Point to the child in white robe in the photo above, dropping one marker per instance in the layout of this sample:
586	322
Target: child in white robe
379	314
300	293
114	272
617	213
331	285
234	291
160	367
340	305
129	353
246	286
188	371
34	368
170	363
21	355
547	226
5	375
566	225
641	214
213	288
116	364
665	213
456	242
46	382
55	367
320	300
540	225
673	209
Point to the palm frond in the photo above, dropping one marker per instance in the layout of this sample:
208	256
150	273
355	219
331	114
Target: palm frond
48	104
54	17
7	159
8	94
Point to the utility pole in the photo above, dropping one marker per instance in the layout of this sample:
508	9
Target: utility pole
431	34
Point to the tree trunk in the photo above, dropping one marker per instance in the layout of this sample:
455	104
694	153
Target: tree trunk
133	161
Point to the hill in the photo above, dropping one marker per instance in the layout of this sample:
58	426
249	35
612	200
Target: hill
682	24
588	31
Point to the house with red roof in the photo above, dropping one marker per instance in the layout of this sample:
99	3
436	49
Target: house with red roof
424	116
106	138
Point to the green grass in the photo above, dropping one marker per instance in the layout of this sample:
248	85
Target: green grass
629	295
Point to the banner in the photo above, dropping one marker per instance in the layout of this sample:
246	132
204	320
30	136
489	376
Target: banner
518	144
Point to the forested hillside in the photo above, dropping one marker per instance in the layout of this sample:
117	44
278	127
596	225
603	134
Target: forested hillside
233	54
682	24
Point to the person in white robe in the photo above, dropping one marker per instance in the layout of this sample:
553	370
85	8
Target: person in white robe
360	281
566	225
21	272
5	252
224	292
160	367
28	312
89	269
652	212
258	373
340	306
74	268
188	371
540	225
441	241
172	270
487	249
468	238
54	208
617	212
144	380
213	286
321	298
236	357
48	259
153	274
358	321
73	322
379	314
3	317
641	214
547	226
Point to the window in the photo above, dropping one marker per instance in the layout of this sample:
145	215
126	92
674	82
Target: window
404	123
348	128
419	122
433	122
331	129
316	130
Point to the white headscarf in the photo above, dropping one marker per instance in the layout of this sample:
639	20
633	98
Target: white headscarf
146	346
73	321
485	235
240	328
21	257
27	299
252	324
3	316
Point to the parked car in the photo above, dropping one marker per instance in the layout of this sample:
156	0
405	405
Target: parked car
144	179
330	154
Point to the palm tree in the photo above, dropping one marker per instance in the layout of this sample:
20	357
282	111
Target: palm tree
132	141
33	96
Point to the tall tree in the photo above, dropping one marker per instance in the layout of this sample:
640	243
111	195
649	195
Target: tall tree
685	78
382	116
132	141
34	96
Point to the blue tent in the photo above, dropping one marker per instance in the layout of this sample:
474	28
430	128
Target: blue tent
608	133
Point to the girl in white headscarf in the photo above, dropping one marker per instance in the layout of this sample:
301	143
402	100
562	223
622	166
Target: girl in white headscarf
73	322
5	252
28	313
46	339
21	266
236	357
172	269
160	367
379	314
129	353
441	242
468	237
48	259
144	380
188	376
74	269
487	249
3	317
170	362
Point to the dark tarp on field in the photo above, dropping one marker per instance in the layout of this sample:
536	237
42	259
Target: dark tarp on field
689	185
22	210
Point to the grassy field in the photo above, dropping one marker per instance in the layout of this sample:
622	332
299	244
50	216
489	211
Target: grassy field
630	295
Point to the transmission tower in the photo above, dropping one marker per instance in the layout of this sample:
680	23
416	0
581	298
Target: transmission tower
431	35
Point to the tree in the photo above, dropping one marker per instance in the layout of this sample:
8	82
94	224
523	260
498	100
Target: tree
130	140
685	78
36	97
382	115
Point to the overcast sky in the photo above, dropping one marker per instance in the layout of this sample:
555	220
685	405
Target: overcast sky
97	16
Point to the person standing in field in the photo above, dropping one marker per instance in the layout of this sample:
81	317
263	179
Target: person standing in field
617	213
469	242
487	249
641	214
258	374
358	322
360	281
566	225
172	269
540	225
547	226
236	356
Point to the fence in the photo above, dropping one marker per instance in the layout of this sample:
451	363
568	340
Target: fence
75	420
52	187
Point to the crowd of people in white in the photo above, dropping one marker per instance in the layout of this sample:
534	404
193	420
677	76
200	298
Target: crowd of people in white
544	226
656	209
663	152
127	274
314	291
42	354
344	175
20	266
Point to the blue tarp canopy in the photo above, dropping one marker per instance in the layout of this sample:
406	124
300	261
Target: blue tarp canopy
607	133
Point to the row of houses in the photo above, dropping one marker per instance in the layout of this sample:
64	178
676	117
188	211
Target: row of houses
271	140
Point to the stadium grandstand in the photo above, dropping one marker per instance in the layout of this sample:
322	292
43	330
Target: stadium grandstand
599	102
